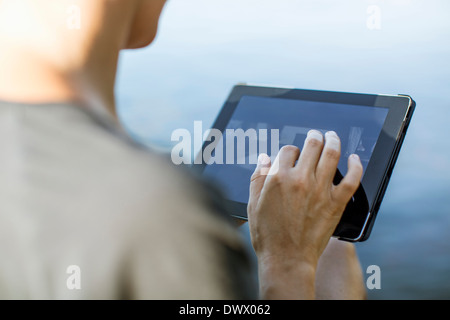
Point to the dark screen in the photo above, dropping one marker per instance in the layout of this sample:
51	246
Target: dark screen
357	126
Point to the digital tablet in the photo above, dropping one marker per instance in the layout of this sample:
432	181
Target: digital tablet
257	119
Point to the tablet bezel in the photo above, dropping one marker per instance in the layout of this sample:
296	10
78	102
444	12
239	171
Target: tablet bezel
383	158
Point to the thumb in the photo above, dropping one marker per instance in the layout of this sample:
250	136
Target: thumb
259	177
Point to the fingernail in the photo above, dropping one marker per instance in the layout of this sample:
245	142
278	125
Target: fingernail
314	134
354	156
332	140
263	159
331	133
259	159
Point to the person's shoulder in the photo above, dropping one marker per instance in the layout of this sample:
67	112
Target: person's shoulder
177	225
147	176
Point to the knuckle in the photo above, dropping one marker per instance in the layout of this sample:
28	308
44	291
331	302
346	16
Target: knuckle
348	187
299	185
314	143
277	178
254	178
282	174
302	183
289	149
332	154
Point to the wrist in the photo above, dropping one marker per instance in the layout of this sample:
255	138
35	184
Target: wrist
286	278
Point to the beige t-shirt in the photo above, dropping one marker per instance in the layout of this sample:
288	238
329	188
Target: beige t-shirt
85	213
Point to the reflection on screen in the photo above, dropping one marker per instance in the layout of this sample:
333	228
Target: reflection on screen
357	126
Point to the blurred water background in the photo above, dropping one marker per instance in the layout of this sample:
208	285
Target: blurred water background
204	47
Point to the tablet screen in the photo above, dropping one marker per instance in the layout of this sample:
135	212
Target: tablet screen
275	122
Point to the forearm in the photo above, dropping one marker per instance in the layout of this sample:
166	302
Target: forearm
339	274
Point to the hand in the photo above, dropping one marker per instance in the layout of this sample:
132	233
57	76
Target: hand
294	208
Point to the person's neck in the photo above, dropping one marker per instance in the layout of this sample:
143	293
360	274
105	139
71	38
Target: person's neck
28	78
55	64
